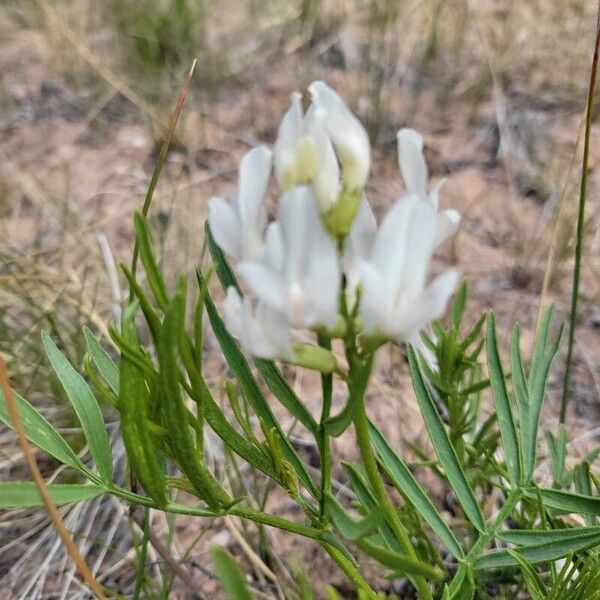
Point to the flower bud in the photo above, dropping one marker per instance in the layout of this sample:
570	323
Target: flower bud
314	357
348	135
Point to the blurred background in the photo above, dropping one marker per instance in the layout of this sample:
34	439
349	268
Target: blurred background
497	87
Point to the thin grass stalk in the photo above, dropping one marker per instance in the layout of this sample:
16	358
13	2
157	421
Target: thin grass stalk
36	475
139	577
162	157
580	225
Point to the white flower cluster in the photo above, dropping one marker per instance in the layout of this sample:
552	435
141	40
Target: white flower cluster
324	250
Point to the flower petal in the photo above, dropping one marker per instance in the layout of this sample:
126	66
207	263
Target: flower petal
225	227
358	246
289	133
326	181
428	306
411	161
264	283
448	223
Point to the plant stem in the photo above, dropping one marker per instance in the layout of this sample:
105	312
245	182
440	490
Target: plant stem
580	224
139	579
350	570
361	426
324	444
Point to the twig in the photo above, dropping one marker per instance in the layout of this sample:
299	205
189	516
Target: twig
580	224
36	475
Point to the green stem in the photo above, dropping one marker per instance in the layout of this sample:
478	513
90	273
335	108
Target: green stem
139	579
361	425
324	443
512	499
580	224
350	570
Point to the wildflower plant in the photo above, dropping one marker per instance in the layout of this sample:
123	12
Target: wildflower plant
323	286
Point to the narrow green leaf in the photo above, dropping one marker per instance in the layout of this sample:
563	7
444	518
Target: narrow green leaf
230	576
529	537
285	394
536	553
24	494
535	586
536	386
443	447
102	361
41	433
458	307
367	499
583	484
568	502
519	383
399	562
216	419
238	364
85	406
155	279
408	486
350	528
224	271
174	410
134	408
152	319
503	409
462	586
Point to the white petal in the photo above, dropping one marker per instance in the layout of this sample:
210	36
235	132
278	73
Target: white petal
322	276
434	195
428	306
375	301
411	161
255	170
404	245
276	329
232	312
347	134
274	247
264	283
289	133
358	246
326	181
293	217
261	332
225	227
448	223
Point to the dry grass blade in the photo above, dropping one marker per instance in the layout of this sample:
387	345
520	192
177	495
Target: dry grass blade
162	156
36	475
580	223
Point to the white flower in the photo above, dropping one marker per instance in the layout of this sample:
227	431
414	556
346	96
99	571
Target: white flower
395	302
348	135
261	331
239	227
414	172
304	154
299	274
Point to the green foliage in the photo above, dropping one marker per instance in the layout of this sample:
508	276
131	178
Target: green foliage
24	494
159	374
230	576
